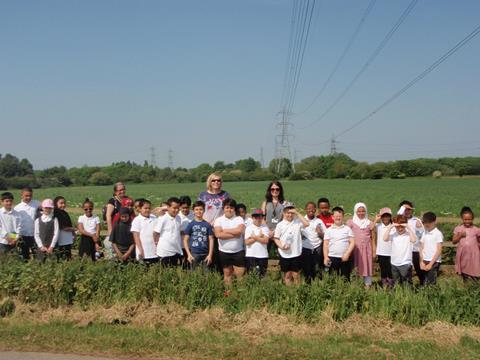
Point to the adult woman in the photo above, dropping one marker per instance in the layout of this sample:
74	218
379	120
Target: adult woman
113	207
273	205
67	231
213	198
114	204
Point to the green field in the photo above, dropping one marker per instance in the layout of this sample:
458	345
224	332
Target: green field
444	196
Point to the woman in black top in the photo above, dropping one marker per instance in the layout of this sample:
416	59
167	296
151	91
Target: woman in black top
114	204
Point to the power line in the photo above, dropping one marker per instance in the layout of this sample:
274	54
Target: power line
405	145
411	83
369	61
342	56
303	45
290	45
302	12
301	20
294	56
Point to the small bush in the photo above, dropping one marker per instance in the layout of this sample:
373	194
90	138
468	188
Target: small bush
437	174
7	308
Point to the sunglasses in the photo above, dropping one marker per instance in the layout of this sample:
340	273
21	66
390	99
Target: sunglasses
275	189
88	209
216	180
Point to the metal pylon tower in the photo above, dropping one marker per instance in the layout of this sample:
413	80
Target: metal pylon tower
153	157
170	159
282	140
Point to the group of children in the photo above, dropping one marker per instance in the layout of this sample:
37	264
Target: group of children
178	235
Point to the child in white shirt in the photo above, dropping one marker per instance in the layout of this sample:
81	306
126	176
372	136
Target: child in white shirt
10	224
338	245
46	231
430	249
167	235
288	238
402	237
142	230
384	248
256	241
229	229
312	246
406	209
29	210
89	229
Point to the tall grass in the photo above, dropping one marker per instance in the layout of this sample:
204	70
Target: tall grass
86	284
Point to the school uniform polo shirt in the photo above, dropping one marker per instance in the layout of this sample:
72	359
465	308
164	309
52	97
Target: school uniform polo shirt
9	223
430	239
169	242
338	240
290	233
144	227
28	214
401	248
311	238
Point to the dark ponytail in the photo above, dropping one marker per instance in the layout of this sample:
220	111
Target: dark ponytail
87	201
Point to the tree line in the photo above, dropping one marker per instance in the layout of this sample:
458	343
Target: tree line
18	173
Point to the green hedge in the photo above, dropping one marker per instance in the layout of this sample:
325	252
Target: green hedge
87	284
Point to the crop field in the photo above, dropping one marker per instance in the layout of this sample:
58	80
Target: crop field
133	311
444	196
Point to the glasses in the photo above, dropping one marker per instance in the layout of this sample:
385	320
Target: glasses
88	209
216	181
275	189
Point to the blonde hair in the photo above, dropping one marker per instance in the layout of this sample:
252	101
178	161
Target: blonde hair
210	178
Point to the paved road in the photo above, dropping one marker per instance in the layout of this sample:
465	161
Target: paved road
13	355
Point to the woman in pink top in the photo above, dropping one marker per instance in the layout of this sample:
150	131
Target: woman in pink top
467	236
364	250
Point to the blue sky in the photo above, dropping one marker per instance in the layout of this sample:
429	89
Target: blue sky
92	82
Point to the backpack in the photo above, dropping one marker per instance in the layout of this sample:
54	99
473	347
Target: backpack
117	206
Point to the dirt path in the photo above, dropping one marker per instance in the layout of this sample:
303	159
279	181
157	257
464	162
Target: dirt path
13	355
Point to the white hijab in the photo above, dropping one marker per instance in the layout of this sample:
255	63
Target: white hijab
362	223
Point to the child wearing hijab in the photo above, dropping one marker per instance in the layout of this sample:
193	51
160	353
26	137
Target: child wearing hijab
46	230
364	249
122	237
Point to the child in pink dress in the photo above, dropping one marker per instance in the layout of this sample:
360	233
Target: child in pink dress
362	229
467	236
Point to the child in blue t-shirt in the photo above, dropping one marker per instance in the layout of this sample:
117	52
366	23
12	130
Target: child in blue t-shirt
198	239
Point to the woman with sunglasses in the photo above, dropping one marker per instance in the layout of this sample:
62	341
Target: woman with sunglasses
273	205
213	198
